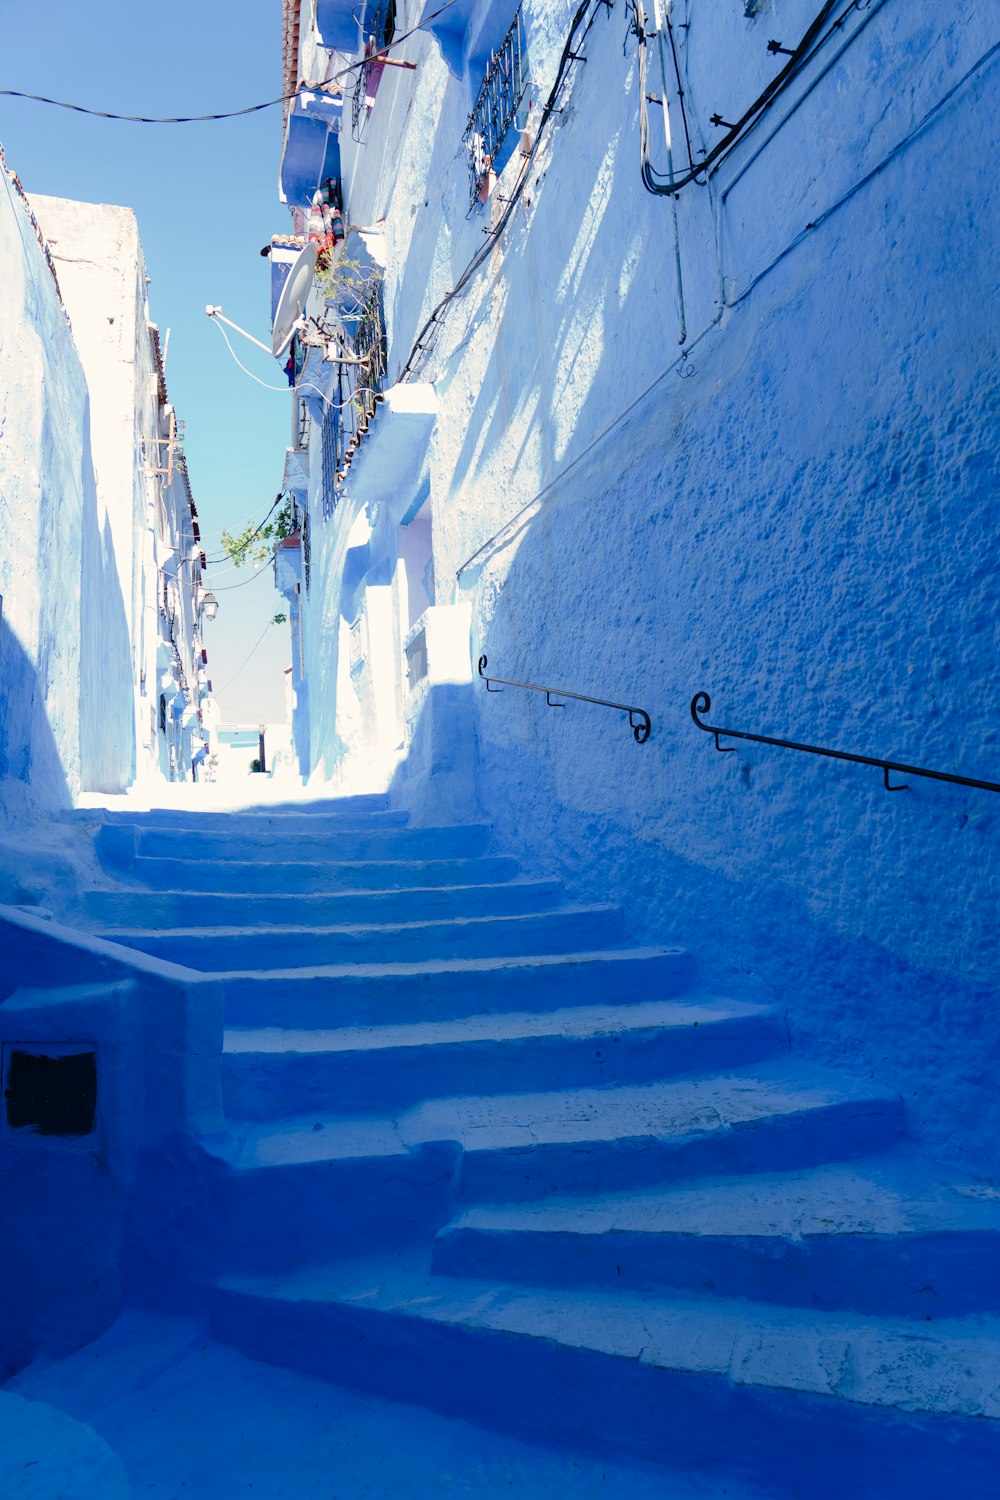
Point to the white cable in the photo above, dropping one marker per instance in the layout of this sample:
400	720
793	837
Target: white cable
240	668
281	389
278	388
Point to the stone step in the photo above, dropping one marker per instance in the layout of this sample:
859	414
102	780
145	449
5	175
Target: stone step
880	1237
296	1193
119	846
197	1420
828	1404
357	1069
318	877
362	802
372	994
220	948
323	1180
362	812
182	908
764	1117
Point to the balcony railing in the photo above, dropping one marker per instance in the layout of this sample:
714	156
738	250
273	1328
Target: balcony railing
495	110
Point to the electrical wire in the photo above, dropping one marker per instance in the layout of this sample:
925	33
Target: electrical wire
105	114
239	669
230	114
816	35
228	587
260	527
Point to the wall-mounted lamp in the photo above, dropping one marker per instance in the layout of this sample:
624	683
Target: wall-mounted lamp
210	605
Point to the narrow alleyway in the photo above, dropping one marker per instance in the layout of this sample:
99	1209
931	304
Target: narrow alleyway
471	1130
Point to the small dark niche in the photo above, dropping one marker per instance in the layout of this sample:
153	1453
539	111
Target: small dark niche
50	1095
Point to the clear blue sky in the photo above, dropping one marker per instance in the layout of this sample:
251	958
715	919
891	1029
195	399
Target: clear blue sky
206	199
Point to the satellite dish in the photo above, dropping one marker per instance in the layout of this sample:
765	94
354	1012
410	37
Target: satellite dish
293	299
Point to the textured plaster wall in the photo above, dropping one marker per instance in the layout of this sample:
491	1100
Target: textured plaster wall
102	274
94	1220
798	517
66	676
98	258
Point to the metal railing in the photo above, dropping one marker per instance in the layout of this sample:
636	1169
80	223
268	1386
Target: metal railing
701	703
638	718
360	386
496	107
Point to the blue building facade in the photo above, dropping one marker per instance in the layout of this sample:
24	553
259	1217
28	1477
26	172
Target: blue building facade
582	1057
698	398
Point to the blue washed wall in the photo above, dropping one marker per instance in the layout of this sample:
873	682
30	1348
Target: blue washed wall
804	527
115	1216
797	517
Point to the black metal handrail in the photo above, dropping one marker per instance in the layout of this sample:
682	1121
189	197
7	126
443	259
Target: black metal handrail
701	703
638	718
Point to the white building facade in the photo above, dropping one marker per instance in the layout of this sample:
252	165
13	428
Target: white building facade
103	668
146	508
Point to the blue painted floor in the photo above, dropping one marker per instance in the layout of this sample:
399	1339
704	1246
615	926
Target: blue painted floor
168	1413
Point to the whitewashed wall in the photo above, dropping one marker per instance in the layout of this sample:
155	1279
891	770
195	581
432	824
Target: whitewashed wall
65	662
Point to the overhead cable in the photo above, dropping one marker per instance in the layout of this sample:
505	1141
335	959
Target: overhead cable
245	663
229	114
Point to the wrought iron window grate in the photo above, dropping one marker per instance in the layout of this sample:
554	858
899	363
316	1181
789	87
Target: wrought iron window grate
359	389
495	109
333	452
368	75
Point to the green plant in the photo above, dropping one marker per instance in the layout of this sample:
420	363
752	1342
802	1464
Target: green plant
279	619
254	544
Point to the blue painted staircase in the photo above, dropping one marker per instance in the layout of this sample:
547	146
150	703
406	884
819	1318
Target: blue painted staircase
486	1157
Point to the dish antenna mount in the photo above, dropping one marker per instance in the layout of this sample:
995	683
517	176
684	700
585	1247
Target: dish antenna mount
288	317
291	303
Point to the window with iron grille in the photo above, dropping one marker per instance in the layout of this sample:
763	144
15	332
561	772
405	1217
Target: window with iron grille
495	111
380	31
360	385
332	450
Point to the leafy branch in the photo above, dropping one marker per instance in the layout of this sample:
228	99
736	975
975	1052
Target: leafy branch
348	283
254	544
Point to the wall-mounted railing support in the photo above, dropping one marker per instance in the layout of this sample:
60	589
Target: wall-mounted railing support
638	718
701	703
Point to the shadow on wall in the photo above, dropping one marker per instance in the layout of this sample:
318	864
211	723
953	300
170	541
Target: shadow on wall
828	588
107	727
31	772
436	781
